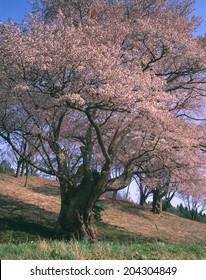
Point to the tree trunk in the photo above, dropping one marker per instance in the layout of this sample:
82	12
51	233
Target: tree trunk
144	193
18	168
76	213
127	193
156	203
27	175
23	168
168	198
193	214
114	195
142	200
166	204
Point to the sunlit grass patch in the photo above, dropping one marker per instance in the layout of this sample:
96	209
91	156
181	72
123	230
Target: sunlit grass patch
85	250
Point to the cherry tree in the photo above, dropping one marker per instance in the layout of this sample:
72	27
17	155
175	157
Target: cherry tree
173	169
195	198
93	85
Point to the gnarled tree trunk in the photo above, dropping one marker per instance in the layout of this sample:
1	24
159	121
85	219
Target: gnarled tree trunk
156	202
76	213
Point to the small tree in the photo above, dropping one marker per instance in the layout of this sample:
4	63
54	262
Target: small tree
5	167
144	190
196	204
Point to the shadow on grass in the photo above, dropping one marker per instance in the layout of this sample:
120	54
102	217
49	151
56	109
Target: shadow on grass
113	233
128	207
21	221
19	231
134	210
14	209
46	190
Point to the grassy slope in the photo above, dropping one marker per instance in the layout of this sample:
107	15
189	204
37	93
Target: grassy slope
27	216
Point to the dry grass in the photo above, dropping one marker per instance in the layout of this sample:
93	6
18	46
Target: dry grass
39	203
41	192
139	220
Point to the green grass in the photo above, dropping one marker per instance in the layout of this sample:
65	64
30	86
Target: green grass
73	250
114	244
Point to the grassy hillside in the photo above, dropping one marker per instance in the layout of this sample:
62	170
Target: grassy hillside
127	231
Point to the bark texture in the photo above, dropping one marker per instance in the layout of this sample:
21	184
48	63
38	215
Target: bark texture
76	213
156	203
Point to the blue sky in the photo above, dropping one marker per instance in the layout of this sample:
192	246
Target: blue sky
15	9
200	10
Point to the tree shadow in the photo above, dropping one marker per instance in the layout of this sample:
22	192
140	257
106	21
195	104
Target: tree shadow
134	210
21	221
128	207
19	230
113	233
46	190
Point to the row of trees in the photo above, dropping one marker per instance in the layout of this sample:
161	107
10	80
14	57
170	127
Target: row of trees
13	163
188	213
5	167
194	204
102	92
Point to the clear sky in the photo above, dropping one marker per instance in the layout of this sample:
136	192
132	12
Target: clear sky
200	10
15	9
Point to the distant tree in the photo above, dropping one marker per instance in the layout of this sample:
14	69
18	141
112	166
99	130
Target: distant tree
144	190
5	167
195	204
167	200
